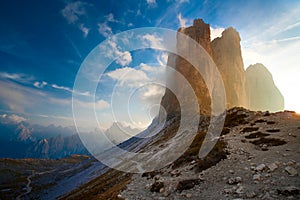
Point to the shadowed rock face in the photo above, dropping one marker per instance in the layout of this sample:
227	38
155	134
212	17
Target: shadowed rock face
262	92
200	32
227	56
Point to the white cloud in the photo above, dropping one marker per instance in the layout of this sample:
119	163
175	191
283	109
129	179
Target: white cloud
15	119
155	73
114	52
104	29
125	58
181	20
153	91
62	88
101	105
146	68
162	58
98	105
40	84
86	93
84	29
129	76
110	18
182	1
151	3
215	32
15	97
153	40
22	78
73	11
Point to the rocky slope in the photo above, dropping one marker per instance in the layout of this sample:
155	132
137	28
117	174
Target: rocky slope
262	163
45	178
262	93
257	157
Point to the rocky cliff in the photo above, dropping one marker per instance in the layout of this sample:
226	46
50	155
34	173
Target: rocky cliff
262	92
200	32
259	93
228	57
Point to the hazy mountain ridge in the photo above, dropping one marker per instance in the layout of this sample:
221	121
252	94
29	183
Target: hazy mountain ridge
20	139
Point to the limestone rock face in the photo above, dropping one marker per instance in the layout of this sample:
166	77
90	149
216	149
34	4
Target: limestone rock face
200	32
253	89
228	57
262	92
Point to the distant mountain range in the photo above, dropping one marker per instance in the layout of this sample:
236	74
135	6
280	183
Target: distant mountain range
20	139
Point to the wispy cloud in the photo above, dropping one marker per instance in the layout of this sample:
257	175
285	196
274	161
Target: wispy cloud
110	18
113	51
73	12
18	77
67	89
154	40
39	84
18	98
104	29
128	76
151	3
84	29
12	118
182	21
182	1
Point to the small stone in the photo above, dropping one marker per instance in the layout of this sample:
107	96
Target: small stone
156	186
268	175
291	171
266	196
235	180
272	167
161	190
288	149
290	163
228	191
250	195
166	193
264	147
238	179
230	181
188	195
231	171
290	190
240	190
260	167
256	177
175	172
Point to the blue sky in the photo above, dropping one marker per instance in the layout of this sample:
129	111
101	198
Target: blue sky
43	43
